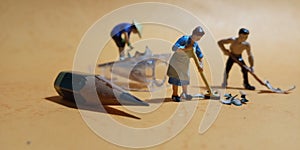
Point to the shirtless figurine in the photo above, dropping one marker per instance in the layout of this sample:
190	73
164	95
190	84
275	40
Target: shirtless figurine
236	48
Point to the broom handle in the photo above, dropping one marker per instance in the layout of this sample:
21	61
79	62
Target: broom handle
246	67
201	72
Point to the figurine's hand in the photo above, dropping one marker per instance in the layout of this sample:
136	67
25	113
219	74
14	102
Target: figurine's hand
201	65
130	47
251	69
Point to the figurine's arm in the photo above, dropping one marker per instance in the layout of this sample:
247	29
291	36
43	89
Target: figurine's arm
181	44
222	43
126	38
250	57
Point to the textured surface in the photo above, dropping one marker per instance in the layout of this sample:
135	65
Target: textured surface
39	39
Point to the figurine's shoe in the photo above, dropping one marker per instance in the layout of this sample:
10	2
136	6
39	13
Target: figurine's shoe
122	58
227	102
236	102
244	100
186	96
243	96
227	95
176	98
249	87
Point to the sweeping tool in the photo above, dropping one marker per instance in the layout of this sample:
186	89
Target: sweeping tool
210	94
265	83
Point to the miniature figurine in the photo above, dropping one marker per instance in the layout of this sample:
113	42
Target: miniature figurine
178	70
121	35
236	48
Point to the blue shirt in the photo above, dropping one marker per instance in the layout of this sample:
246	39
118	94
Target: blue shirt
184	41
121	28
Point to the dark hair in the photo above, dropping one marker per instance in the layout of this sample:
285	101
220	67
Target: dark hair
244	31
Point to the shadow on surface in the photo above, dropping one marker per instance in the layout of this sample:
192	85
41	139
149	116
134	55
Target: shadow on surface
159	100
105	109
270	92
219	87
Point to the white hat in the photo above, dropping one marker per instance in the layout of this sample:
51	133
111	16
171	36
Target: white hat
138	27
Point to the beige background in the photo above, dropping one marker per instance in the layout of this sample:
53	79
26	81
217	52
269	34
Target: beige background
39	39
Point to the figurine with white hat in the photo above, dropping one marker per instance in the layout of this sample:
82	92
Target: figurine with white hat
121	35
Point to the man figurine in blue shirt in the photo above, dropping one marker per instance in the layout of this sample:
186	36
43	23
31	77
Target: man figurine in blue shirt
121	35
236	48
178	70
